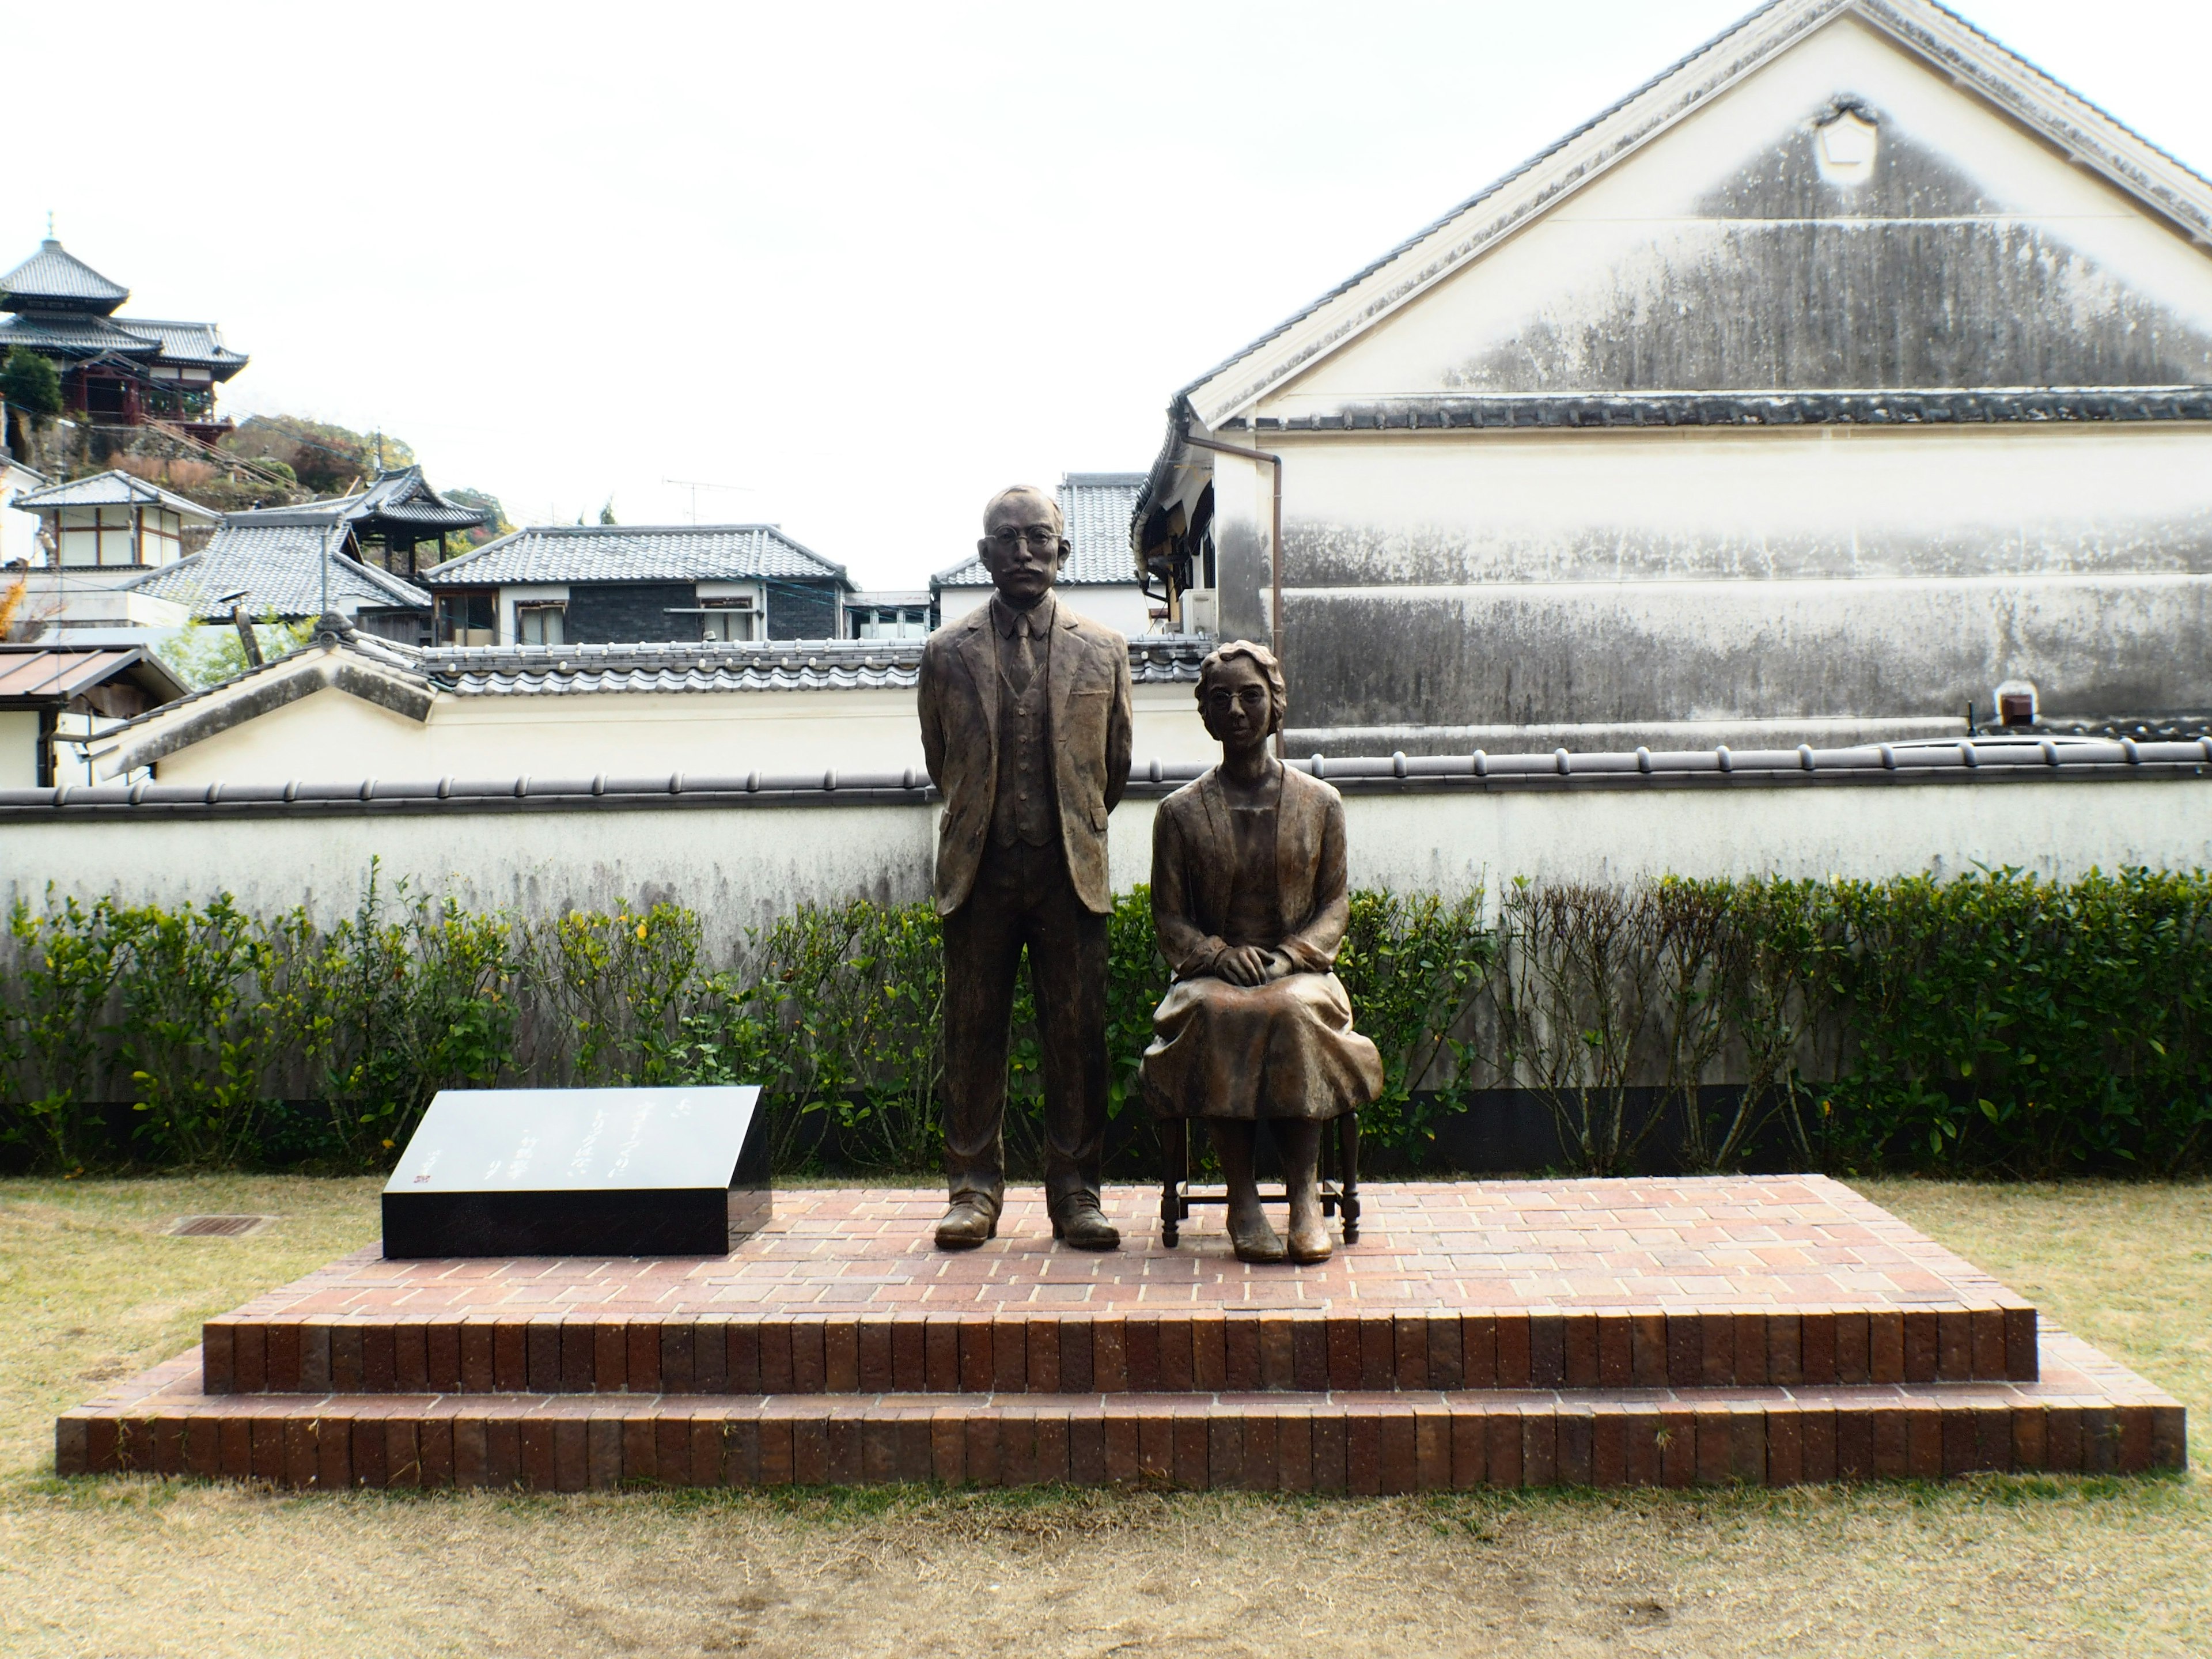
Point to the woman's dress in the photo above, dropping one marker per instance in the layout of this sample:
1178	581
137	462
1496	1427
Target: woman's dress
1284	1049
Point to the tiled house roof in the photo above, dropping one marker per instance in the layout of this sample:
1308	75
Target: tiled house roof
636	553
276	567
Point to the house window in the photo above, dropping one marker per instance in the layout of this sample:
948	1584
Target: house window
465	619
541	624
97	535
733	619
160	539
910	623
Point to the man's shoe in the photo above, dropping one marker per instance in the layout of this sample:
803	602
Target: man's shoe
965	1225
1083	1226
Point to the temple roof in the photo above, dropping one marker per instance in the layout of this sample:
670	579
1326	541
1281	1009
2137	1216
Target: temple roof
400	497
53	279
60	306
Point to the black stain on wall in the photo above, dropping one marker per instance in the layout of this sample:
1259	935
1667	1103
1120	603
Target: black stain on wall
1642	654
1914	279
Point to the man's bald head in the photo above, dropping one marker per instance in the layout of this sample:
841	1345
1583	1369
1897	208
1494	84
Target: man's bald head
1020	498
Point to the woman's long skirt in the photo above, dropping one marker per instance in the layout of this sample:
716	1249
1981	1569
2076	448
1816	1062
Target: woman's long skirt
1283	1049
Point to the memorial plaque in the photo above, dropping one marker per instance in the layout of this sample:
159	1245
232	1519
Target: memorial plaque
580	1172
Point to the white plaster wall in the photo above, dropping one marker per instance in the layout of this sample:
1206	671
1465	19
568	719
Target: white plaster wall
334	737
742	865
19	749
1706	502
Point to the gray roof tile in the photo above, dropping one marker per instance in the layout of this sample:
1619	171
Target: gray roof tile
2056	404
1097	506
278	567
636	553
110	489
53	273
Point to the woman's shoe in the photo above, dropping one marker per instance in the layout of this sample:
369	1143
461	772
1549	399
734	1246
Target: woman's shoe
1308	1248
1257	1243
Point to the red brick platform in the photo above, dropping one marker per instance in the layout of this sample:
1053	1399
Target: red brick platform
1506	1333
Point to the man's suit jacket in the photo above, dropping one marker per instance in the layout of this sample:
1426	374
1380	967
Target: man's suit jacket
1089	697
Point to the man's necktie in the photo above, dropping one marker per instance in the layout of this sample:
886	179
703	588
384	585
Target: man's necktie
1021	663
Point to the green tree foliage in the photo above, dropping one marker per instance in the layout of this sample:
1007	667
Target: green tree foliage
326	459
202	654
30	382
498	523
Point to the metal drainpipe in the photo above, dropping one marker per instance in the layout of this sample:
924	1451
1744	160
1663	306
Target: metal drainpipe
1274	555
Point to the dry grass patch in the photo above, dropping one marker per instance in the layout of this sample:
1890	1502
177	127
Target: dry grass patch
1996	1566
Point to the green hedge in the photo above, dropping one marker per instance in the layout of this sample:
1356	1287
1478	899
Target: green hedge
1996	1023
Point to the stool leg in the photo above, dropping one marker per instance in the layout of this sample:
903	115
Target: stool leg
1348	1152
1175	1155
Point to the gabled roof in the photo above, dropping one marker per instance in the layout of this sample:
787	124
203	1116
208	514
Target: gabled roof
112	488
55	277
1952	46
636	553
274	568
1095	507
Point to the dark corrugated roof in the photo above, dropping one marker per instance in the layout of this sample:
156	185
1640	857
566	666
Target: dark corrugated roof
53	273
1660	408
58	674
1097	508
636	553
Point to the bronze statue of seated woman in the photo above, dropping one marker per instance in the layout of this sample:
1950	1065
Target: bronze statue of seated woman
1249	902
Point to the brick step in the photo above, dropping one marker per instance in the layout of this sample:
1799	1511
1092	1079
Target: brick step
1048	1352
2085	1415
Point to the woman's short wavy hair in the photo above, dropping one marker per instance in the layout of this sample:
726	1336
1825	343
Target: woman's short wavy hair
1261	658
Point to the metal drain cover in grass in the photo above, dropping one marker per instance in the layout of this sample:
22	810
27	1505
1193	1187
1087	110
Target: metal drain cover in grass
217	1227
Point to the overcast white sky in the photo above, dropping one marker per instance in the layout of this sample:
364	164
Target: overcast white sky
870	262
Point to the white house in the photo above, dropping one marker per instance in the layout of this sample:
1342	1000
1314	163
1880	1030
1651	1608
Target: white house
98	539
350	707
1848	370
1099	580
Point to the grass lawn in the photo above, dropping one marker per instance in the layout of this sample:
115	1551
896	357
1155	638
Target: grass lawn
90	1289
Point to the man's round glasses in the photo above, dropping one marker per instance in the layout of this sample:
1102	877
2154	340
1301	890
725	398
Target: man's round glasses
1042	539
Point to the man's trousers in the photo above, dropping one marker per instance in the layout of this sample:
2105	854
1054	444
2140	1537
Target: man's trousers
1022	897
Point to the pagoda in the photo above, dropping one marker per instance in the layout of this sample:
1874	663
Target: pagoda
115	371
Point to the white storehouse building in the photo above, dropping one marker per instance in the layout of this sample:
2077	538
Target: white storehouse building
1848	371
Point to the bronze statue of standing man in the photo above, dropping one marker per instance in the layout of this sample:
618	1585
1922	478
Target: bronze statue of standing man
1026	728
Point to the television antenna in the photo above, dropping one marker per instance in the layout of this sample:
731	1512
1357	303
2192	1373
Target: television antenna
694	485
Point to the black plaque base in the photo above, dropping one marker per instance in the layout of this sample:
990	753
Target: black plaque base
697	1221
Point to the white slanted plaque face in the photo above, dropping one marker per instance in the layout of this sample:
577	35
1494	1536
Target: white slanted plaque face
576	1139
539	1172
